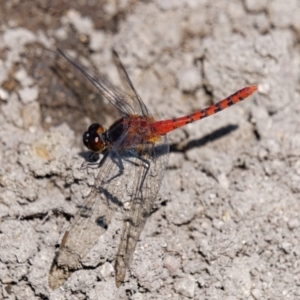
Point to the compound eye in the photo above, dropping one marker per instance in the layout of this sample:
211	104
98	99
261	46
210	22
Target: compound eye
95	127
85	139
95	142
92	138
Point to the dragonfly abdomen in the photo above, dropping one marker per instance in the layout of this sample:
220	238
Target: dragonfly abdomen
165	126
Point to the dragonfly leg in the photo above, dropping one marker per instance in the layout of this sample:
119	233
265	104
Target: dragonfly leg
138	154
117	159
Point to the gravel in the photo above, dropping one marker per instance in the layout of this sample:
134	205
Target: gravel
226	222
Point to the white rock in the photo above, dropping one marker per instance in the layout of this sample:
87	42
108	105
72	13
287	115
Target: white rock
264	88
106	270
293	223
97	40
83	25
28	94
61	33
45	40
22	76
257	294
280	12
3	94
12	110
186	286
189	80
18	37
110	8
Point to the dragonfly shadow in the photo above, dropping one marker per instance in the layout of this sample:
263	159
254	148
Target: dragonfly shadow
86	211
217	134
89	156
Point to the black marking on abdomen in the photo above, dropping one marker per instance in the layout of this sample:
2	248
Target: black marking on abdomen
218	107
240	97
190	119
205	113
230	101
175	123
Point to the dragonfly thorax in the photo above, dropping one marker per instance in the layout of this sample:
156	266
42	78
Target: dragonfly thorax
95	138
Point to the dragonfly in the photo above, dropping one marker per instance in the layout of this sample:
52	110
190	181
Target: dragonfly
135	156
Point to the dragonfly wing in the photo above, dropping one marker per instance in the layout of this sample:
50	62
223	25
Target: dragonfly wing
93	218
128	85
115	188
89	224
123	101
148	175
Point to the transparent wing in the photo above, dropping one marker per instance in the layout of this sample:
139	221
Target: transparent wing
128	84
92	219
126	103
148	174
125	181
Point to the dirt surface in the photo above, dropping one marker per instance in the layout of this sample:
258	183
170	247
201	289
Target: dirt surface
226	224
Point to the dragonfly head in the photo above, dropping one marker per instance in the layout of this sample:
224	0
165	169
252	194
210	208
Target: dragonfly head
94	138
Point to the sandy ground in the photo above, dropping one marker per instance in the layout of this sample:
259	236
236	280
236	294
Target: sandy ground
226	223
